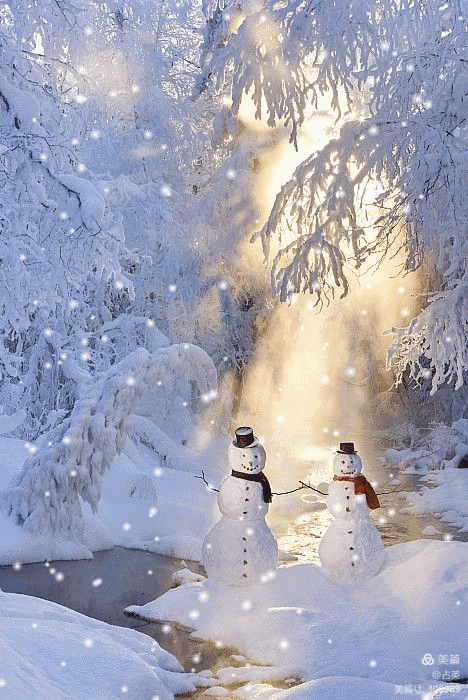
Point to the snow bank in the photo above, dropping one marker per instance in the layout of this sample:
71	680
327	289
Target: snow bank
446	494
302	624
49	651
324	689
69	463
445	486
142	506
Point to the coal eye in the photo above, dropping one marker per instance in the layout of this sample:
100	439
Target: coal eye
342	461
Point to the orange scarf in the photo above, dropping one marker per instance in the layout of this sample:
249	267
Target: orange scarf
361	485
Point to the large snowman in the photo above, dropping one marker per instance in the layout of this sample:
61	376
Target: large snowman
351	549
240	549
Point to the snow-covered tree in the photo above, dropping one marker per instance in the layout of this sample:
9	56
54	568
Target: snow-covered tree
111	214
393	172
69	461
59	240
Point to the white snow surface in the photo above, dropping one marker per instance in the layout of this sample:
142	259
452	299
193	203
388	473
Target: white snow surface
49	651
363	640
355	641
444	491
142	506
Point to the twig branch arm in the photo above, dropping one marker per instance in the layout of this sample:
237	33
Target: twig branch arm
283	493
203	477
274	493
385	493
308	486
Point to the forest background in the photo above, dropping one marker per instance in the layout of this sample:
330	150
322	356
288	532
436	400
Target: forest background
129	208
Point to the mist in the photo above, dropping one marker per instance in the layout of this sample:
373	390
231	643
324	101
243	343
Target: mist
319	376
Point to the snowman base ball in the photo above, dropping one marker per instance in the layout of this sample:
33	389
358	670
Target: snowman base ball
239	553
351	549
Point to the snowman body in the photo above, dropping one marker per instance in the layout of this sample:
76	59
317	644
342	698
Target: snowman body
351	549
240	548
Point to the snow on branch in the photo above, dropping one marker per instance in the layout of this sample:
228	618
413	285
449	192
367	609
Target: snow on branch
435	344
288	55
317	209
313	261
73	457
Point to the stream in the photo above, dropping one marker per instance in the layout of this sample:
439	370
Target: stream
137	577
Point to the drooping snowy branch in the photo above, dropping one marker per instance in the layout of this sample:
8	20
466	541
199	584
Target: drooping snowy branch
435	344
72	459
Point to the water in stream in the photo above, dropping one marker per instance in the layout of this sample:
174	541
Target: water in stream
128	577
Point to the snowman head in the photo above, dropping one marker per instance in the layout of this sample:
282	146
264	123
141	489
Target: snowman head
347	462
245	453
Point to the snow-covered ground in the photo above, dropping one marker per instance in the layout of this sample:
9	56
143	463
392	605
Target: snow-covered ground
49	651
403	631
444	491
333	641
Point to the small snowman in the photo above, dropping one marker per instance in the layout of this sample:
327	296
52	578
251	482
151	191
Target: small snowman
351	549
240	549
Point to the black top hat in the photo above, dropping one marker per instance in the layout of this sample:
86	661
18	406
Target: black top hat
347	448
244	437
